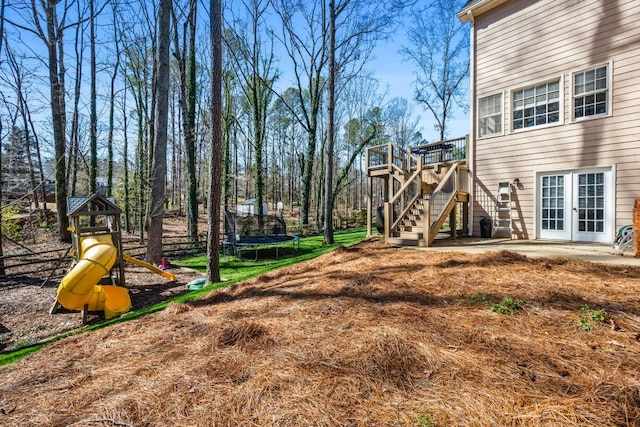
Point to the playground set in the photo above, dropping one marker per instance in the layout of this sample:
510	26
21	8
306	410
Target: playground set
96	281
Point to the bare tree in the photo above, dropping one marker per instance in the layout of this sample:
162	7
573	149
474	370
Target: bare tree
155	211
354	28
19	85
213	232
93	113
402	125
186	62
331	106
439	47
74	137
2	270
366	125
306	46
51	34
112	96
125	159
255	67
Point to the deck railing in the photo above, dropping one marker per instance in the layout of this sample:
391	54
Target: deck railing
450	150
391	156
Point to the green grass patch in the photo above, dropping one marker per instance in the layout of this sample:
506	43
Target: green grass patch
590	316
508	306
232	271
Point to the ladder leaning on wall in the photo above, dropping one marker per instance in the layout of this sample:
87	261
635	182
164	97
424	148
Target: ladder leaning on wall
502	222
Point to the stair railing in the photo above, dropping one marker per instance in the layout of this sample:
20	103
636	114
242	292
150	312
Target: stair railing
405	170
406	197
440	203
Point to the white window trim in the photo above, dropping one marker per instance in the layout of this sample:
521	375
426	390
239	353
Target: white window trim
561	102
609	113
493	135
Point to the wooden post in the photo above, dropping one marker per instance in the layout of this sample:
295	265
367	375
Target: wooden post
636	228
453	226
465	218
366	160
369	200
387	221
426	223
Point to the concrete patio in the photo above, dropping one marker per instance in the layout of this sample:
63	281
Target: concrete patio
593	252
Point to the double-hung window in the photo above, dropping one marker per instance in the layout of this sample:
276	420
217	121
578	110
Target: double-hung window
490	115
591	92
536	105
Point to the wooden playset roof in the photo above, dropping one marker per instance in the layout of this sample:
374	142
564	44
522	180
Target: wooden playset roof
80	205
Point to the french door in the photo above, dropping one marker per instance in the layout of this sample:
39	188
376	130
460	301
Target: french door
576	205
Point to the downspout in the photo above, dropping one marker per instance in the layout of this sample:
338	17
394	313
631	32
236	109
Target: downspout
472	118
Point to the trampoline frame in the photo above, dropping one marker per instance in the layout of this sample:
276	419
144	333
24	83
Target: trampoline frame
236	244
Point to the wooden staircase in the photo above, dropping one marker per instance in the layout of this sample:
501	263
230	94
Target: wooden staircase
410	231
420	201
426	216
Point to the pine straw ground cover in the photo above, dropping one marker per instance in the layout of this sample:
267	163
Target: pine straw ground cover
367	335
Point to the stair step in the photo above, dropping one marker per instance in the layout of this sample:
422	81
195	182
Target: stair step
408	234
405	242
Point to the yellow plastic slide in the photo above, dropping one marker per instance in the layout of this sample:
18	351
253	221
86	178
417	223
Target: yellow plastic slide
80	286
165	274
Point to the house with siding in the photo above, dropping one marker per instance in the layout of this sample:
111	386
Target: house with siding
554	143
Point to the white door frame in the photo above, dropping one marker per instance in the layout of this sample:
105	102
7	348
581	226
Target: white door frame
571	222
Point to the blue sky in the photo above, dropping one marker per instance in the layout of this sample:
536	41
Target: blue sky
388	66
392	70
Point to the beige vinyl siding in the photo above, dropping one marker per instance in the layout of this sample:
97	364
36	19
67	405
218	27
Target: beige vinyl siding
523	43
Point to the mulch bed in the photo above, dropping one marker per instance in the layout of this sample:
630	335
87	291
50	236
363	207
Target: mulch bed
25	304
364	336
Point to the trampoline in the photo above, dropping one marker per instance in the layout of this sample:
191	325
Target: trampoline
244	233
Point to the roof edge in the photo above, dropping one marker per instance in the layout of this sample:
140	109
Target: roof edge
476	7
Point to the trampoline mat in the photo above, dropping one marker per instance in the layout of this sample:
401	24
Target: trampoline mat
264	240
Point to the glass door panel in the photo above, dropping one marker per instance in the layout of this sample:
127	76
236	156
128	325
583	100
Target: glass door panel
553	221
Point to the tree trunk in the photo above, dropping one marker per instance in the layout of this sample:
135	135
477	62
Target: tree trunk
74	144
56	82
190	129
227	122
331	89
27	139
213	232
36	143
159	163
141	168
93	113
307	178
125	160
112	105
2	271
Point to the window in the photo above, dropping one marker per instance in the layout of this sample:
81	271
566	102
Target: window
490	115
591	92
536	105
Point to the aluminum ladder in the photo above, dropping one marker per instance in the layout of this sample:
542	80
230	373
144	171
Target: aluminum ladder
502	222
